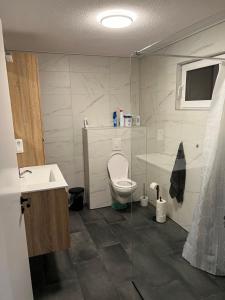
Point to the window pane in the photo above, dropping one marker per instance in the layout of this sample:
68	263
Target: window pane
200	83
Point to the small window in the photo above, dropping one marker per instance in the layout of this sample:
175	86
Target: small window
196	84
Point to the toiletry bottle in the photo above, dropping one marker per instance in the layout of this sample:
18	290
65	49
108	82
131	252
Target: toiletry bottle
127	120
114	119
121	118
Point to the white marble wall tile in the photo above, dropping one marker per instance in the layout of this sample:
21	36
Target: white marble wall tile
97	149
119	101
57	117
95	109
53	103
135	86
134	106
120	65
56	113
54	82
193	182
100	198
173	129
98	183
197	131
59	120
140	179
137	166
88	64
97	166
58	135
78	162
78	144
78	180
74	87
183	213
92	84
53	63
120	84
59	151
102	134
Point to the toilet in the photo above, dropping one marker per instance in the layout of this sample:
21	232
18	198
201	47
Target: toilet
121	186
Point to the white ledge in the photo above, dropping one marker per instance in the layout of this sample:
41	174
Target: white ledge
166	162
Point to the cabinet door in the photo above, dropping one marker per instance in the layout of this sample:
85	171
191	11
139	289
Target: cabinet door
47	222
25	100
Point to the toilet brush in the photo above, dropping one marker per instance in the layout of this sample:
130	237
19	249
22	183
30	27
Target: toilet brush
144	198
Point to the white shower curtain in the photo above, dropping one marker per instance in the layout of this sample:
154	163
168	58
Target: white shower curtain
205	245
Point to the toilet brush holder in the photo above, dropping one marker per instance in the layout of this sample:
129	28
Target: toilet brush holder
144	201
144	198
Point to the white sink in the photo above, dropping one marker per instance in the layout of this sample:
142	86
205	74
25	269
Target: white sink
45	177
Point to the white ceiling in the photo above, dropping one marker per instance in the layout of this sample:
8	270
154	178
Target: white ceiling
70	26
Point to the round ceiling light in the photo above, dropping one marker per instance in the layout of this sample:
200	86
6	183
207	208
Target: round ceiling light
116	19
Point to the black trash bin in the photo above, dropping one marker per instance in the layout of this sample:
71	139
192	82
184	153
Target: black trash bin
76	198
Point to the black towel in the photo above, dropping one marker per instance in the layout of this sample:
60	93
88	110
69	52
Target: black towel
178	176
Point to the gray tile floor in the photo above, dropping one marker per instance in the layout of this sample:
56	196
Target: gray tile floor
109	249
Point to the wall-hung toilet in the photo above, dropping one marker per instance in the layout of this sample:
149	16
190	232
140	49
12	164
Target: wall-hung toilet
121	186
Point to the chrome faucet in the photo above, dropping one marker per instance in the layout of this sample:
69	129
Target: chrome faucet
23	172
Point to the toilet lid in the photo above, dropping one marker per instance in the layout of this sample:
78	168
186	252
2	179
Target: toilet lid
118	166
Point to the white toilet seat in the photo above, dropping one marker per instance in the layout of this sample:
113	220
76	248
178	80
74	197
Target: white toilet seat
124	183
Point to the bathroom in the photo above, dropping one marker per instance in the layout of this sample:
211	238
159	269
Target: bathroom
128	116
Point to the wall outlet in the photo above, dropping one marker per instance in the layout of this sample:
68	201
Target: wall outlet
19	146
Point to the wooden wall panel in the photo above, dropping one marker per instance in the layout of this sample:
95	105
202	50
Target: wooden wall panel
47	222
25	100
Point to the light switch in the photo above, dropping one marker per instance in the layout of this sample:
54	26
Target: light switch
19	146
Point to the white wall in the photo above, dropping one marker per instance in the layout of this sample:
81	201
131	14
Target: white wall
157	106
74	87
15	281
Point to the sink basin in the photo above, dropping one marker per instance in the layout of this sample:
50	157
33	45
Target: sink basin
45	177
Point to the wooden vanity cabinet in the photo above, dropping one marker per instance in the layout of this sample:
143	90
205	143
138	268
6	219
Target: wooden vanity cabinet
47	221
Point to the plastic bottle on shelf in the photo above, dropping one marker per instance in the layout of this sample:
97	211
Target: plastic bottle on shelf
121	118
114	119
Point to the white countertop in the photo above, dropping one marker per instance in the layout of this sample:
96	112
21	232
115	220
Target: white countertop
45	177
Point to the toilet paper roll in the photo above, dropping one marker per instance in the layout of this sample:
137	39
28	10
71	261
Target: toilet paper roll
161	210
153	185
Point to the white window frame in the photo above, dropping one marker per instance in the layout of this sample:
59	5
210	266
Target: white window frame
181	87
